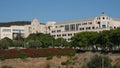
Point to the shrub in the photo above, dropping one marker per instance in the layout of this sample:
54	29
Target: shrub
49	57
48	66
71	54
65	63
98	61
58	56
22	55
71	67
117	65
6	67
58	66
2	58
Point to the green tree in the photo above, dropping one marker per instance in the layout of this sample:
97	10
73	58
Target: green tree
115	37
61	42
45	39
84	39
4	44
33	44
10	41
18	43
103	39
98	61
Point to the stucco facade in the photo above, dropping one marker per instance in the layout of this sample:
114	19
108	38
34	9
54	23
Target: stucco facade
65	29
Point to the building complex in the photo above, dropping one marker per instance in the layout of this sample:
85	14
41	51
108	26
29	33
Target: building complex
65	29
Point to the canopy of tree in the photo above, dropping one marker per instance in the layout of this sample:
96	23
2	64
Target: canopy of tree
109	40
7	24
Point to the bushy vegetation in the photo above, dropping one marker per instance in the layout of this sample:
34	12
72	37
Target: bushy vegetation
117	64
105	40
48	66
98	61
49	57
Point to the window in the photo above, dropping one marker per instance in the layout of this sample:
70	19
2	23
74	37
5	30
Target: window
99	24
58	30
63	34
84	23
69	39
53	31
72	27
53	35
81	28
6	30
93	27
69	34
66	27
61	26
88	28
89	23
56	26
77	25
103	17
99	18
103	26
58	35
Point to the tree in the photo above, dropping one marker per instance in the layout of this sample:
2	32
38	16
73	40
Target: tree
4	44
98	61
84	39
18	43
61	42
45	39
103	39
33	44
115	37
9	41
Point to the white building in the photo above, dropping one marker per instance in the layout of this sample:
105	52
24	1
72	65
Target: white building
65	29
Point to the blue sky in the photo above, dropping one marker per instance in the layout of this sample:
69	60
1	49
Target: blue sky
56	10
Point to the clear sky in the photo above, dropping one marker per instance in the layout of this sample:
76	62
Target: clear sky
56	10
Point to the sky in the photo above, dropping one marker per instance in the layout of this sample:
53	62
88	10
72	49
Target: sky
56	10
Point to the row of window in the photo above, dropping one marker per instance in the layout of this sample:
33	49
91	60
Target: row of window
53	31
18	30
62	35
73	25
6	30
102	18
87	28
6	35
82	28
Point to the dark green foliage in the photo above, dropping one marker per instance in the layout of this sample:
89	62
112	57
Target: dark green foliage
22	55
49	57
2	58
61	42
84	39
45	39
117	65
4	44
8	24
98	61
10	41
33	44
18	43
48	66
65	63
106	40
